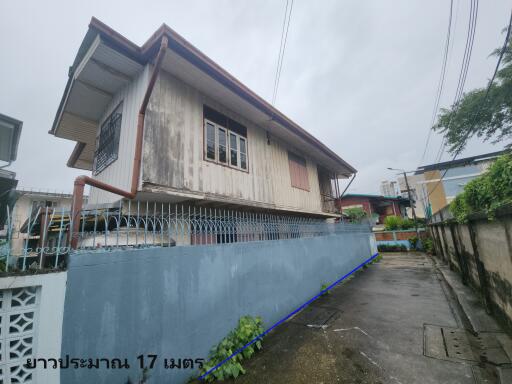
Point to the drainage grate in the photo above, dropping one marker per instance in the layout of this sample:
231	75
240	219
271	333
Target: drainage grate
459	345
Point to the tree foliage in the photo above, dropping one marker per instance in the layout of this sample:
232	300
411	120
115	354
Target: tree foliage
488	118
486	193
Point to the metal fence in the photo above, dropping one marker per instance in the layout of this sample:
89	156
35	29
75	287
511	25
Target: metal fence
42	240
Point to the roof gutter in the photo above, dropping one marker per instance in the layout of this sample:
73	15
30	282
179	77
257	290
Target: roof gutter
81	181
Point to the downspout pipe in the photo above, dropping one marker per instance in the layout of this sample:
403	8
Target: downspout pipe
81	181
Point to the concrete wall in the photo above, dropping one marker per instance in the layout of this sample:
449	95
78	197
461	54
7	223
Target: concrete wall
178	302
492	255
174	147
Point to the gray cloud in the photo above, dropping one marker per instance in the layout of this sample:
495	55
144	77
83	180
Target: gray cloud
361	76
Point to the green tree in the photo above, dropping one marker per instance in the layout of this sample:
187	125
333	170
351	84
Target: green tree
487	193
487	118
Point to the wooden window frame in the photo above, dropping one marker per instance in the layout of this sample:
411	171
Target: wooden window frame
228	134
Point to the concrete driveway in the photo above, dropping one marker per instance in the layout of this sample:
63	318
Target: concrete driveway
371	329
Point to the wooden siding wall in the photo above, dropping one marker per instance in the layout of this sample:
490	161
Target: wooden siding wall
173	154
119	173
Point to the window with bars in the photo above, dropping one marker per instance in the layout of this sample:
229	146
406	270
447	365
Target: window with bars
223	145
298	171
107	141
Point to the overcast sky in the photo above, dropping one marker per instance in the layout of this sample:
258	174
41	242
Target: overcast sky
359	75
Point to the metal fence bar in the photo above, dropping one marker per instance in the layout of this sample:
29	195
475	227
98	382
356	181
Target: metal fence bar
157	225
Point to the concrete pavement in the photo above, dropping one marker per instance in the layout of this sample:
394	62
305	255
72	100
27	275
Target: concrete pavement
388	324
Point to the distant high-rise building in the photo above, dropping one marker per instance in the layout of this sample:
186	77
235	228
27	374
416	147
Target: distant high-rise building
388	188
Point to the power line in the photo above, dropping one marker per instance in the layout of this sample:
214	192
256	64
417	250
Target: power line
470	37
282	48
441	80
480	106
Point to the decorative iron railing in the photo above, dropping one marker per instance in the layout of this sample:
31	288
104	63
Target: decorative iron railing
43	239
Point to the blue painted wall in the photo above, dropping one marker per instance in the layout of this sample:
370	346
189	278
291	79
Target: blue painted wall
178	302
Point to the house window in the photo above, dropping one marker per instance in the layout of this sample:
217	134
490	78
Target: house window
225	140
107	141
223	145
243	153
210	141
233	148
298	171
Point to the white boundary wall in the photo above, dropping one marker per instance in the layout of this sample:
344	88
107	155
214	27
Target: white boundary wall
41	304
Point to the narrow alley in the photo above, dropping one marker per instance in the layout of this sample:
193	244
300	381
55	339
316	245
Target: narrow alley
398	321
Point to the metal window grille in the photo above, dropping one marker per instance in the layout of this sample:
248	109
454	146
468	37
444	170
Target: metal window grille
107	142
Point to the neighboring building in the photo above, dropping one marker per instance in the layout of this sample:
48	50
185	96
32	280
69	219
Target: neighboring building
439	193
376	207
418	195
388	188
10	131
206	138
28	204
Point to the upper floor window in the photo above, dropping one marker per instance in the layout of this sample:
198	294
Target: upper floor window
225	140
43	204
298	171
107	141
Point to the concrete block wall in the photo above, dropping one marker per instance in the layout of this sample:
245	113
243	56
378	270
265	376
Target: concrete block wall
493	239
178	302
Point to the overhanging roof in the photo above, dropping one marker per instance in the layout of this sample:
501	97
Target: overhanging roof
10	132
102	45
460	162
398	199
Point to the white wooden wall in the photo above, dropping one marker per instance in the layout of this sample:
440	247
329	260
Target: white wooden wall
119	173
173	154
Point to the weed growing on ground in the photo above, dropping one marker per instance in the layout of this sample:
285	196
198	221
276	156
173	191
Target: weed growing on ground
248	329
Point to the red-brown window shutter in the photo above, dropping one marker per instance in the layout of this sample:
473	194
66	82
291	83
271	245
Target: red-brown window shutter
298	171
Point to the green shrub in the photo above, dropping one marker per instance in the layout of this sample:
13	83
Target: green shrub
392	223
248	329
486	193
391	248
407	223
355	214
428	246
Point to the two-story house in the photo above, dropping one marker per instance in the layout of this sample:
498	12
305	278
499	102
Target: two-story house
163	122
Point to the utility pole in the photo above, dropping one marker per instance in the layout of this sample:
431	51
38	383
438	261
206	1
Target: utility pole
410	200
412	205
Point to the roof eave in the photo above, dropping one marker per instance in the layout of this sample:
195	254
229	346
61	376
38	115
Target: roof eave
148	50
